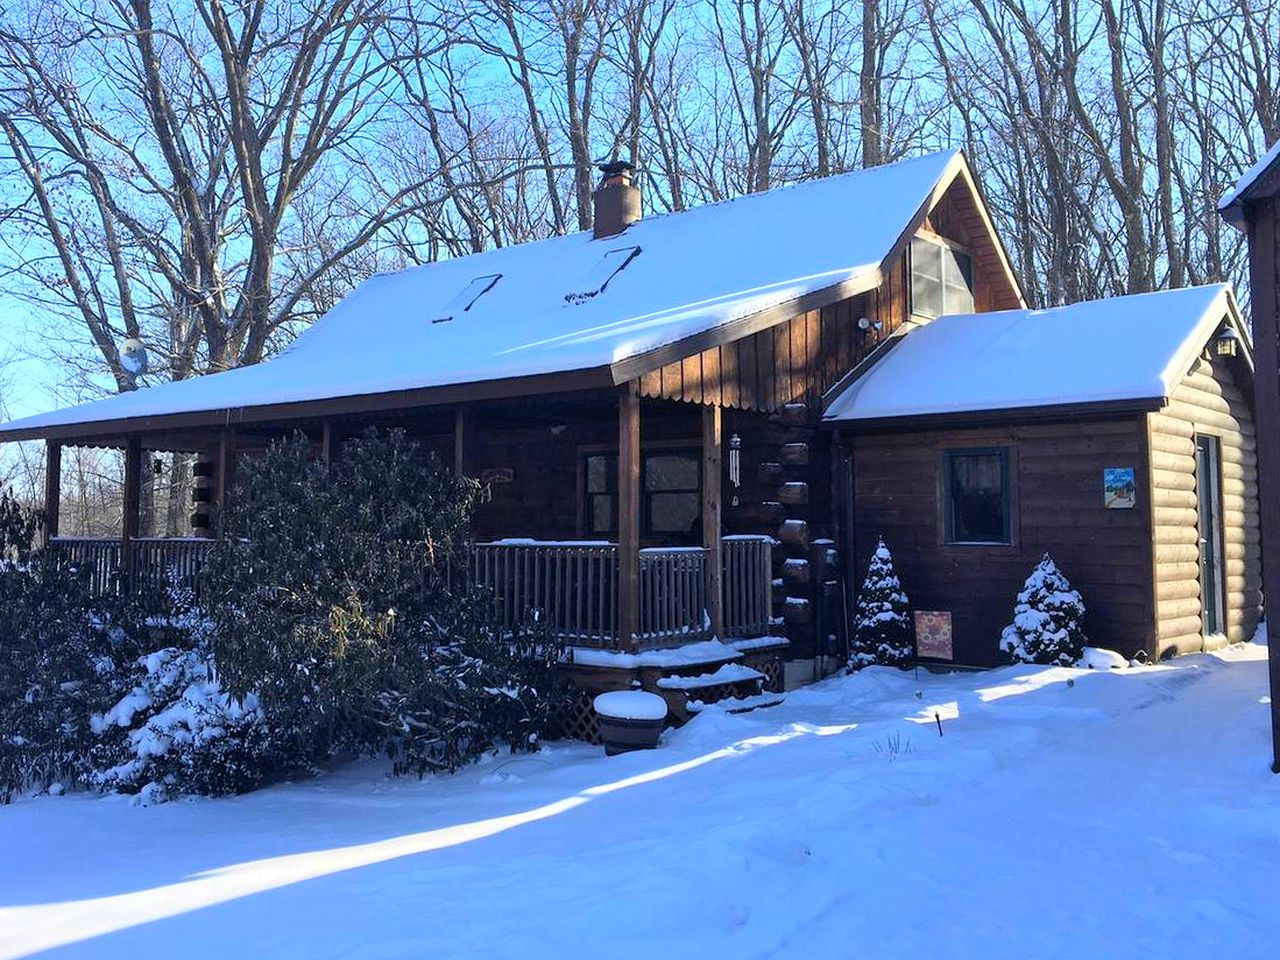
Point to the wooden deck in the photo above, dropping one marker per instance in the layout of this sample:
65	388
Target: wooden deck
570	586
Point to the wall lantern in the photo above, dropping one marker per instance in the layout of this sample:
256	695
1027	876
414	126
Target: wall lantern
735	465
1227	343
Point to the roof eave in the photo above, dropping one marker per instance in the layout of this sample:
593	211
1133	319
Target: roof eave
557	382
1040	413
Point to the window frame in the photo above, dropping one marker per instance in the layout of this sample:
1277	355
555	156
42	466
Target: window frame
672	448
958	250
949	455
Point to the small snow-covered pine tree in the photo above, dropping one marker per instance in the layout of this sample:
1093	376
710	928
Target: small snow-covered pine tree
1048	619
882	624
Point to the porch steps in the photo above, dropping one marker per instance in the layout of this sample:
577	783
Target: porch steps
725	674
758	701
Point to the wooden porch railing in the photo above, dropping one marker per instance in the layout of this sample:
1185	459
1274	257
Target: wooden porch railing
573	586
747	585
673	596
157	561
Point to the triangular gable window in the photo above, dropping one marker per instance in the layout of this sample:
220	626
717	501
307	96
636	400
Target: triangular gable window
466	297
597	278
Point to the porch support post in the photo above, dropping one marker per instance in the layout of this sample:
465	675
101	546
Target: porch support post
712	481
132	504
628	515
462	417
328	444
225	468
52	489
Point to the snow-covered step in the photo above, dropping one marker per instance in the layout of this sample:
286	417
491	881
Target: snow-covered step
728	673
757	701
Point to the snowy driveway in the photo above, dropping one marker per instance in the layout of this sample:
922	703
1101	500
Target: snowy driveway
1128	815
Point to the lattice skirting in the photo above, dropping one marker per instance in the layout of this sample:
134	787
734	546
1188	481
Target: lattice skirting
578	720
770	664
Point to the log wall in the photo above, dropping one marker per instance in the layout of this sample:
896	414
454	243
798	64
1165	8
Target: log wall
1209	400
1057	506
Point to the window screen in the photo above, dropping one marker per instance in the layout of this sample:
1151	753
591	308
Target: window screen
941	279
670	492
977	496
673	499
601	494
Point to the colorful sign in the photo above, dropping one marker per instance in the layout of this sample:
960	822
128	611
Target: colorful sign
1119	488
933	634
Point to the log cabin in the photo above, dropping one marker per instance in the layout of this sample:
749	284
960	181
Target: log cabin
1253	206
1117	435
646	402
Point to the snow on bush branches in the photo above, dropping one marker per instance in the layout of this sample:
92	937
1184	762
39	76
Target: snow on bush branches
185	735
882	622
1047	619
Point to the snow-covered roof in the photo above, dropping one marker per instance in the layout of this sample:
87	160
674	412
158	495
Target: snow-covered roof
1230	203
569	303
1133	348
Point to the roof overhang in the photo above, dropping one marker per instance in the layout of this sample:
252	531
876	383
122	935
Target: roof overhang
1260	183
97	431
620	372
1011	416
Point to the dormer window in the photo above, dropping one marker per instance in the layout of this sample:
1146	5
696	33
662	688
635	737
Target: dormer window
466	298
941	279
597	278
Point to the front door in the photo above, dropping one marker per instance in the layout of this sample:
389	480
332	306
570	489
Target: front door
1209	491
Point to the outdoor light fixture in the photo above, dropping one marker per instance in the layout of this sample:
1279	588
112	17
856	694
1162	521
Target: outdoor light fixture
866	324
735	465
1227	343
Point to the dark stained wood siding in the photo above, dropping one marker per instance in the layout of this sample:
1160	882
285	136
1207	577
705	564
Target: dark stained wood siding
1209	400
801	358
1056	471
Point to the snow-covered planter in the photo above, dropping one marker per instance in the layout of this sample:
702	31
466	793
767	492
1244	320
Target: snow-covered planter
630	720
1048	619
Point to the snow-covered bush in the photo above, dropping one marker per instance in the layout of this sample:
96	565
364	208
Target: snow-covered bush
341	598
182	733
882	629
61	653
1048	619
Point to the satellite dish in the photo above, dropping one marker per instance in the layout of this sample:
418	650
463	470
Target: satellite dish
133	357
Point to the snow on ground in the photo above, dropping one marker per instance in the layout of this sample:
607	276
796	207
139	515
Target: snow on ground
1128	814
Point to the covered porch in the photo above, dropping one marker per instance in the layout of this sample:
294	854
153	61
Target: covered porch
604	517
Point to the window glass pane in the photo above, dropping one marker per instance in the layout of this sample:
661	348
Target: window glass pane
600	513
674	512
671	471
978	499
958	281
926	278
600	473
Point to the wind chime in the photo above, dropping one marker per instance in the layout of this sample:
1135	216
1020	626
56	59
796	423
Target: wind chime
735	466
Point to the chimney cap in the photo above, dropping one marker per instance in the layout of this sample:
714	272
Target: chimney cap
612	168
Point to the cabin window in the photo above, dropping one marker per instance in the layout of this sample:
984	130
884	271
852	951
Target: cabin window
670	493
941	279
976	495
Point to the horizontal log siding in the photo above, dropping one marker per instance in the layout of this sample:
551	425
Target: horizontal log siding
1057	506
1208	400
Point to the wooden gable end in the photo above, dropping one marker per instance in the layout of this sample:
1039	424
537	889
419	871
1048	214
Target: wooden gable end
802	356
